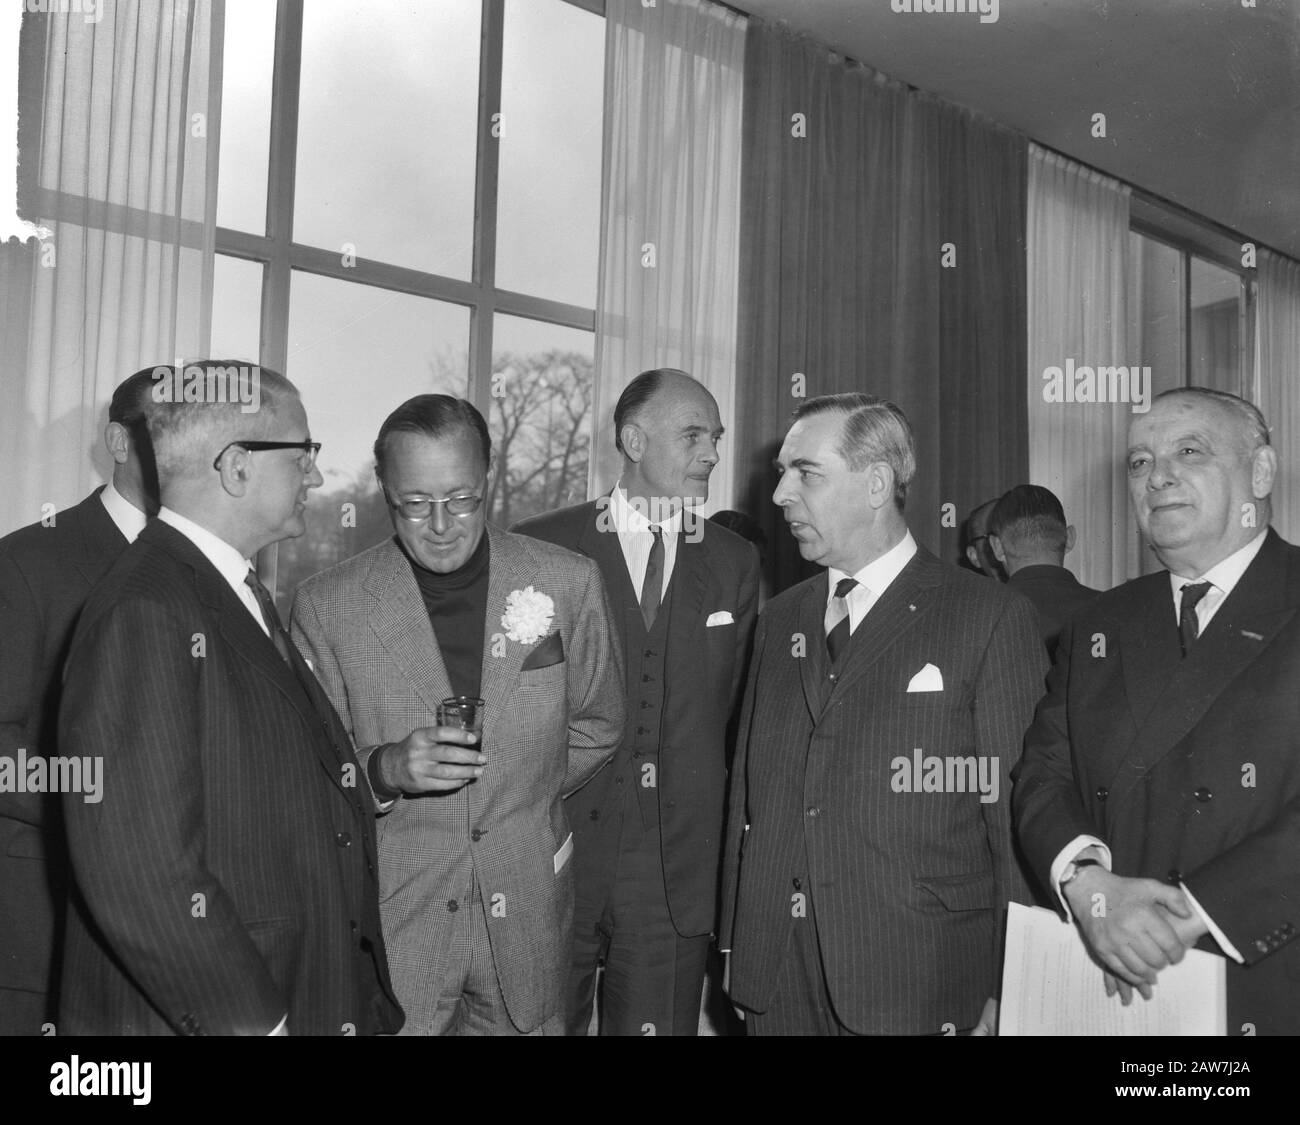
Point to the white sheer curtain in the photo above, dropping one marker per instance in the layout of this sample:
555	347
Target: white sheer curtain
1077	245
122	170
1277	380
670	215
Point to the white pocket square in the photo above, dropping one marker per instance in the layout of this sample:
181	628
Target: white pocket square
928	678
562	856
722	617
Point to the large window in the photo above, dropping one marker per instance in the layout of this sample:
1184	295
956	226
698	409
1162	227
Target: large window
1191	307
409	202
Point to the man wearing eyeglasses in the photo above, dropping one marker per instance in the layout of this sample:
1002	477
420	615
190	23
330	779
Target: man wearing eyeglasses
224	874
475	844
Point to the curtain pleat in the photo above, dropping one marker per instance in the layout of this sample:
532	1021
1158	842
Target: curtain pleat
670	222
1277	378
853	184
115	126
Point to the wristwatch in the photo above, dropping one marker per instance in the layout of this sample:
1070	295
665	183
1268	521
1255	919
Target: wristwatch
1073	868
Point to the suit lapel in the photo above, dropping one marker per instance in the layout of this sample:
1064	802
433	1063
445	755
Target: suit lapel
685	596
234	621
1259	606
811	623
401	623
100	540
599	542
896	611
509	568
1149	646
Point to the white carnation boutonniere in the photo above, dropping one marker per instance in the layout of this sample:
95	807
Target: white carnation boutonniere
528	615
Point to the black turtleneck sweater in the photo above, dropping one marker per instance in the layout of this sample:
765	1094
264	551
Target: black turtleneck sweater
457	605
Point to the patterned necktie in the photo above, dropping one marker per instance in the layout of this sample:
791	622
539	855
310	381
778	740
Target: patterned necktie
1188	627
652	587
278	636
837	619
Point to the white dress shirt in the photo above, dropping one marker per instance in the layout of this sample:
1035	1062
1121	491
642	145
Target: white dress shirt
232	566
636	539
129	519
1223	578
873	579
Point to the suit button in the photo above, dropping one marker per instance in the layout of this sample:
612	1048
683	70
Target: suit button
645	705
640	730
798	884
476	835
1202	794
647	654
814	811
1102	792
647	679
831	676
343	840
453	906
594	814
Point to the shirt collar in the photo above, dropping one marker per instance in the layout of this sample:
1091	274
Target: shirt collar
628	518
1226	574
129	519
877	576
232	566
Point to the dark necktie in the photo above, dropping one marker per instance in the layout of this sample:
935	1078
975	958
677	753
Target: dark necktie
837	619
264	600
652	587
1188	627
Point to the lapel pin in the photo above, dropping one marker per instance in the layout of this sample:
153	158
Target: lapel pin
1252	636
911	607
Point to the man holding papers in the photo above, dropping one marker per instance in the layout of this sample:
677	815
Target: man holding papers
1159	792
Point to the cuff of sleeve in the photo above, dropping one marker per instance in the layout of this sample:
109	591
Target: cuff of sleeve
384	796
1068	855
1215	932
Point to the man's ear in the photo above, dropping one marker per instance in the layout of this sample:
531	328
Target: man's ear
1263	471
972	557
880	484
995	543
1069	538
117	439
491	474
633	439
236	468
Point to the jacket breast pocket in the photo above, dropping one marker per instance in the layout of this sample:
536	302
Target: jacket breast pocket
959	892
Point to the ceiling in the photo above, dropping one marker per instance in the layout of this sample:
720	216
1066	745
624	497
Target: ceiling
1201	97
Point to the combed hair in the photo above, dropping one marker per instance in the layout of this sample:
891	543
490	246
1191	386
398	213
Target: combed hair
186	436
434	416
132	400
1253	426
874	430
1029	518
636	394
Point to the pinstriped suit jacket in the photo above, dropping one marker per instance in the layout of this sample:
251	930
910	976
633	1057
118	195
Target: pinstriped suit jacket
226	877
908	889
546	731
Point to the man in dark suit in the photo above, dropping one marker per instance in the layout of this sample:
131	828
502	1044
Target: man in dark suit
975	542
46	571
1161	777
225	875
648	828
1029	537
868	860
